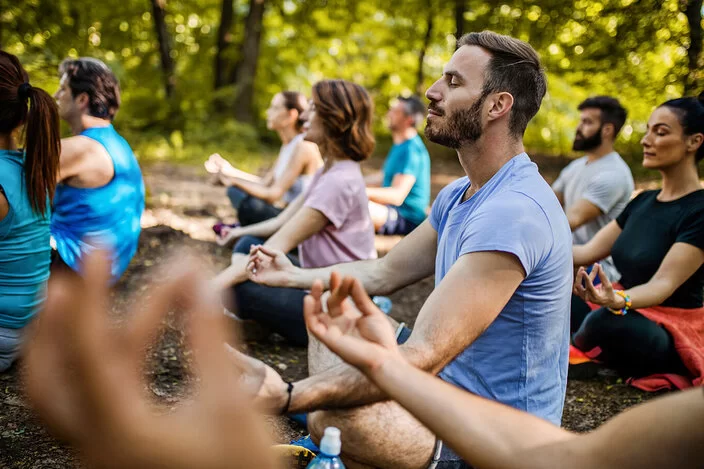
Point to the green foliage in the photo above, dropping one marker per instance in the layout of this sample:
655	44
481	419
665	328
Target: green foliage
633	49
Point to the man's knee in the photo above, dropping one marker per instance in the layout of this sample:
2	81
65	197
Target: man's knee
365	437
316	425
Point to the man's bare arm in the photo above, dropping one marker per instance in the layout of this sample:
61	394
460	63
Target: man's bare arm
410	260
468	299
582	212
374	179
395	194
488	434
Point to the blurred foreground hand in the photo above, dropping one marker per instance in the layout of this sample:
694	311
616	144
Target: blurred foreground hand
84	378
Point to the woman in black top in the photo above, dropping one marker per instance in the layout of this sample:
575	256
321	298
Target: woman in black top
657	244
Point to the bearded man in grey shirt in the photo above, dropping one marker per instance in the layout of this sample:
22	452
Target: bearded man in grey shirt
595	188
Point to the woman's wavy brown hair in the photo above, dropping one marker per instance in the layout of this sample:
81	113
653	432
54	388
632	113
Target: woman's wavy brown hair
345	110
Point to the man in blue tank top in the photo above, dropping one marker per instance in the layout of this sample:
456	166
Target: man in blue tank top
100	196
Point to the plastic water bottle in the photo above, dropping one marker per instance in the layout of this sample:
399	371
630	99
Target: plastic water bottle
383	303
329	457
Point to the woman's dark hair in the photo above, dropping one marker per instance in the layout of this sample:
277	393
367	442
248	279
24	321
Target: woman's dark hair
690	113
345	110
295	100
93	77
21	103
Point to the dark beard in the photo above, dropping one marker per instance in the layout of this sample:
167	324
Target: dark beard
587	143
462	126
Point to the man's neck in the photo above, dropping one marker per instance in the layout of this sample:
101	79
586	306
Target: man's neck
7	142
87	122
484	158
599	152
403	135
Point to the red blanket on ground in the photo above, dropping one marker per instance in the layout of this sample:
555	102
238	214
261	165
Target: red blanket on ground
687	329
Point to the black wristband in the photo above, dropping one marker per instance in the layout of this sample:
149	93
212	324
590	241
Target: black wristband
288	401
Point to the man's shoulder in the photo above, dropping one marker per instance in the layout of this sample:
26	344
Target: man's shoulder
574	165
449	191
81	146
417	144
514	202
444	201
610	170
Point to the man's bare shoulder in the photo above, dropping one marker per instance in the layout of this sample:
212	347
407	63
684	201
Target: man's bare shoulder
86	162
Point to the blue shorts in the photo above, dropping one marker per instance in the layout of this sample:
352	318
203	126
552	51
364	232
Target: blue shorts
396	224
443	456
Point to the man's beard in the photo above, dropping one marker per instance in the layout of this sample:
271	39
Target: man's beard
587	143
460	127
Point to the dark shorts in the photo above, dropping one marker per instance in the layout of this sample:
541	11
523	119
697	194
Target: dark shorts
443	456
396	224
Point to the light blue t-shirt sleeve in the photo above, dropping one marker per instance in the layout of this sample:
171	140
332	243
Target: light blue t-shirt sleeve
515	224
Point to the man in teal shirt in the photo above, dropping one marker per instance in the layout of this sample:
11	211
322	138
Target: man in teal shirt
399	196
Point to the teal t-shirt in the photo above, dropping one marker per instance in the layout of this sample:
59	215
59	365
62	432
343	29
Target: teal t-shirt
410	157
25	252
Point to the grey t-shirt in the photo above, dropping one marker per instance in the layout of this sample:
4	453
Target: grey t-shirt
606	183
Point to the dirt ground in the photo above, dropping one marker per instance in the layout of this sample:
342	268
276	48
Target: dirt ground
181	209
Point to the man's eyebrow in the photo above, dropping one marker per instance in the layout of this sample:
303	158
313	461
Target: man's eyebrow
453	74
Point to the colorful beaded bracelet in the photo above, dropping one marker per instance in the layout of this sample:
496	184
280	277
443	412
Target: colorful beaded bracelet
623	311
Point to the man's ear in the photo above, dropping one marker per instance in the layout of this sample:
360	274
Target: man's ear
499	104
608	130
83	101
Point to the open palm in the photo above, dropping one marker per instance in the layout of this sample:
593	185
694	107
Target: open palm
355	330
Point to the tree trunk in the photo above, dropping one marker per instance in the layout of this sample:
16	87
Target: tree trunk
224	41
247	68
460	7
421	56
167	63
694	51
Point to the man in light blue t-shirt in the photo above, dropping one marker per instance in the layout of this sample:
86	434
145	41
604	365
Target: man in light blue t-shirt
499	244
399	196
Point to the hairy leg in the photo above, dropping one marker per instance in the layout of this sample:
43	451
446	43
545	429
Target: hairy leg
380	435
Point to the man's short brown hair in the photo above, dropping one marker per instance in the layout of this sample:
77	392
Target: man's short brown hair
514	68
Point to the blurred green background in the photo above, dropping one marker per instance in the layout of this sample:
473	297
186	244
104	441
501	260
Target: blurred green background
197	75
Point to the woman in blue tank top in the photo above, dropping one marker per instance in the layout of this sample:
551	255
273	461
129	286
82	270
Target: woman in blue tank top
27	181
